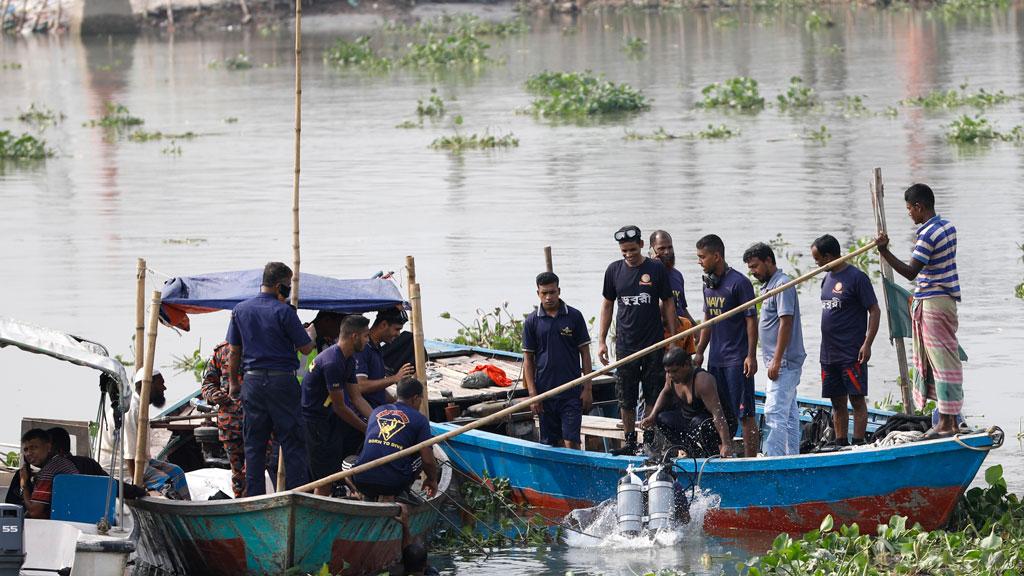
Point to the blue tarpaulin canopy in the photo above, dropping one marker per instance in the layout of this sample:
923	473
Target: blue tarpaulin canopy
223	290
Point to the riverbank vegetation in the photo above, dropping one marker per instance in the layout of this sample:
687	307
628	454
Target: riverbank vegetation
22	147
571	95
985	537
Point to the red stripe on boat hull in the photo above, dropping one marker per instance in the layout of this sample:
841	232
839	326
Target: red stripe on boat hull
930	507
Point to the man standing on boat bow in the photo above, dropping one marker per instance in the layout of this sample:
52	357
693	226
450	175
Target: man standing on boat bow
264	334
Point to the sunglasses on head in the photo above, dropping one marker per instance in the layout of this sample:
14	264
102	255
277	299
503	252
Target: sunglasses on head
627	234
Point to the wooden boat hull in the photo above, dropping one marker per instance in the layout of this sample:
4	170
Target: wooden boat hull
267	535
921	480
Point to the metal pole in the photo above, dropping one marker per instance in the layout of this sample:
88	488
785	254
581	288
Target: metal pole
878	202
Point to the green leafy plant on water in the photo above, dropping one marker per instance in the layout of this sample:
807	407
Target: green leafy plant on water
816	21
10	66
40	116
231	120
978	130
356	54
172	149
194	363
712	132
891	111
990	510
888	402
958	98
22	147
867	262
956	8
635	47
1019	290
834	50
821	135
497	329
582	94
726	21
798	96
432	107
240	61
458	143
116	116
739	93
449	23
853	106
459	48
147	136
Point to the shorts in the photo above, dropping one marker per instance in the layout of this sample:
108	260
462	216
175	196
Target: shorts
838	380
648	373
741	388
373	491
329	441
561	420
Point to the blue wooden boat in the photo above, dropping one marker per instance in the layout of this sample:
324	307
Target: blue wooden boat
269	535
920	480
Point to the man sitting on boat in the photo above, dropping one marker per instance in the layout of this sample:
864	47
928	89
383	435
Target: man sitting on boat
689	411
333	429
160	476
393	428
371	371
556	350
37	489
61	441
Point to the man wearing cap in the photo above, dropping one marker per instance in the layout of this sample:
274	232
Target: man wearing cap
159	476
371	372
264	334
639	287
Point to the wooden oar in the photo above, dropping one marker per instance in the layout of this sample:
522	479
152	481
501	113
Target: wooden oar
603	370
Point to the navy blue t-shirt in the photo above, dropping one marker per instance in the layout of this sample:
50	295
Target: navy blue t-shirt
675	282
331	371
845	298
637	293
370	364
269	331
556	342
728	337
392	428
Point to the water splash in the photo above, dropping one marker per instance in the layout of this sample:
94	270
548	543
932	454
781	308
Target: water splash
597	527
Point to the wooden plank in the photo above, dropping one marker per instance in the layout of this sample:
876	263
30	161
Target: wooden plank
603	427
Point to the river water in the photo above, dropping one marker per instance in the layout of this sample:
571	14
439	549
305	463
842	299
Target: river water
372	193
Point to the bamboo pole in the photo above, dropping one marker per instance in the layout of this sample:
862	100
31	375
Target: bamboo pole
878	202
585	378
296	254
547	259
142	436
417	341
140	310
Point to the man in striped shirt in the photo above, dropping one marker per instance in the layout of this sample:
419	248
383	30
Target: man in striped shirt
932	267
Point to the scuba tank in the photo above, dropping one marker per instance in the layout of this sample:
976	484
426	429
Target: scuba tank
629	504
660	498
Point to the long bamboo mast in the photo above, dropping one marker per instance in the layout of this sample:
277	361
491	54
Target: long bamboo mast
140	311
585	378
142	437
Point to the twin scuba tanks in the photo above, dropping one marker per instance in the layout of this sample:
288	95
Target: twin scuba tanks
659	504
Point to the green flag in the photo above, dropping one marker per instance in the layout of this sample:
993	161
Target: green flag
898	301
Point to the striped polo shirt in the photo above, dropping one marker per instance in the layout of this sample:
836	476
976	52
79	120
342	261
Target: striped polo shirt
936	249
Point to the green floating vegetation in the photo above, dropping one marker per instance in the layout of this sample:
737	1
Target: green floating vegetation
816	21
116	116
821	135
10	66
635	47
835	50
146	136
172	149
432	107
986	537
739	93
954	8
409	124
23	147
726	21
957	98
978	130
240	61
40	116
853	106
582	94
459	48
798	96
356	54
449	23
231	120
712	132
458	143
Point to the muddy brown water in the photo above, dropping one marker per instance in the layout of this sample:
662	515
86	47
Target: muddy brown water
372	193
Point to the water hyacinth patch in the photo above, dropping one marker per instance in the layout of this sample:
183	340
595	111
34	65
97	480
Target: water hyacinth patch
635	47
240	61
957	98
582	94
798	96
459	48
357	54
433	107
712	132
739	93
40	116
457	143
23	147
978	130
116	116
